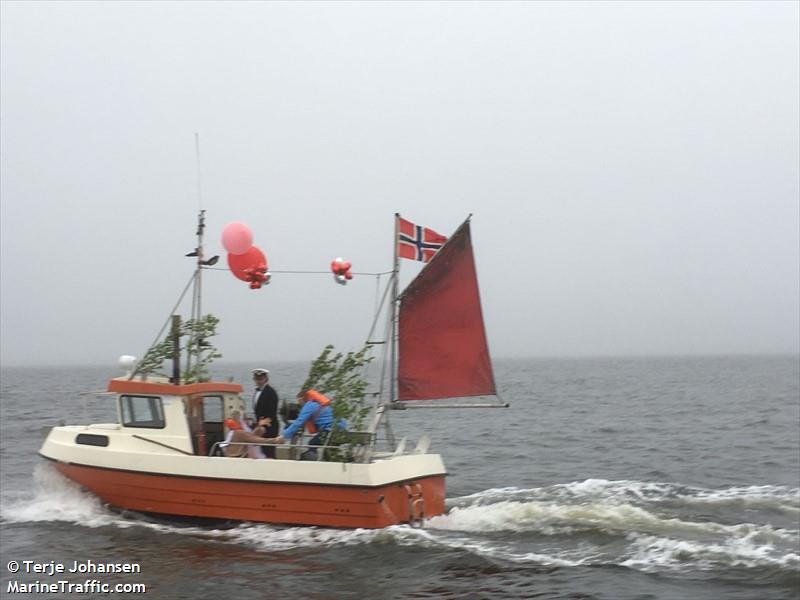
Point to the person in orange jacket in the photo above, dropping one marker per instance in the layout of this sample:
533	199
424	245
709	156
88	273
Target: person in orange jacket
316	415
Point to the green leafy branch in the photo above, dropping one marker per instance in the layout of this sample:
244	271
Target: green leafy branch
339	376
199	349
201	353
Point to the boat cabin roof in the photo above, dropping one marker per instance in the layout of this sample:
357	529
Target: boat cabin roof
124	385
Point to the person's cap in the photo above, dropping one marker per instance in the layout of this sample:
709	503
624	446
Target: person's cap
232	424
260	372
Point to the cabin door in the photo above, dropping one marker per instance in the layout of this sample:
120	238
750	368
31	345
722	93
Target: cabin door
206	417
213	416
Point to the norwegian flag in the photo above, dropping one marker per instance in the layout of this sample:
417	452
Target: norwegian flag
417	242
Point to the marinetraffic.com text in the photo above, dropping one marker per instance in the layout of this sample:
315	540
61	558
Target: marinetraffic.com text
71	577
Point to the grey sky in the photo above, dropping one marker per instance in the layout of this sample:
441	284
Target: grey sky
632	169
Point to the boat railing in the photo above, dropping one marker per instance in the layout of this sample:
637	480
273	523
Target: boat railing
360	449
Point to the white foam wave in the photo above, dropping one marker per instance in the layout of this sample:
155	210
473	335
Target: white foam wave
270	539
275	539
549	518
55	498
638	513
781	498
652	543
754	496
649	553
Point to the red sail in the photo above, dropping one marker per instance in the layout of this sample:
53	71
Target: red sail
442	341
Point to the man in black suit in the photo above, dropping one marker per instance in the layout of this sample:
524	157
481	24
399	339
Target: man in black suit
265	401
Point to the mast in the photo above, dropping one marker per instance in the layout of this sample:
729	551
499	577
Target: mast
197	293
201	225
393	324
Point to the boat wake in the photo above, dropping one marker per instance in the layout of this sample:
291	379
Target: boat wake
643	526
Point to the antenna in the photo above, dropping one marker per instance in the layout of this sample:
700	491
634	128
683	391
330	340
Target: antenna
199	184
197	293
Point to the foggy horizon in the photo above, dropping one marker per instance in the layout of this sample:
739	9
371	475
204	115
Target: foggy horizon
632	170
220	364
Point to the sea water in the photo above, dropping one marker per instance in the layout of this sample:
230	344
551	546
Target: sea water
648	478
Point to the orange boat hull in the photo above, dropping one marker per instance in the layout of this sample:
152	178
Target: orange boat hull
267	502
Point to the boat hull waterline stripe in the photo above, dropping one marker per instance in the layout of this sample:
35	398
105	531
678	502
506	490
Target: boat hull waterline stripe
275	481
268	502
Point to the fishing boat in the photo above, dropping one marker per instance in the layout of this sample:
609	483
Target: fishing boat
160	456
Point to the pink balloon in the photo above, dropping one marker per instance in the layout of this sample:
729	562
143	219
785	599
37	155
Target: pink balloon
237	238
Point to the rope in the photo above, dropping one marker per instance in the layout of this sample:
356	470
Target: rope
301	272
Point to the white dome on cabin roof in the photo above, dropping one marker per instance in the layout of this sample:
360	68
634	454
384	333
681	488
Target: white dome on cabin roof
127	362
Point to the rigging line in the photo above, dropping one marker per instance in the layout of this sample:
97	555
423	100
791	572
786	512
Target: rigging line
329	272
303	272
378	312
384	362
385	351
409	404
376	306
384	418
169	318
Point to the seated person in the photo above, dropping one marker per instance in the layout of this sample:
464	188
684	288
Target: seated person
238	433
316	414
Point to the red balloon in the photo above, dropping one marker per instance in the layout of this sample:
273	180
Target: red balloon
248	265
341	267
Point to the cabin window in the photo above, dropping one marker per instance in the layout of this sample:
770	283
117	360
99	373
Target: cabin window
90	439
213	411
142	411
